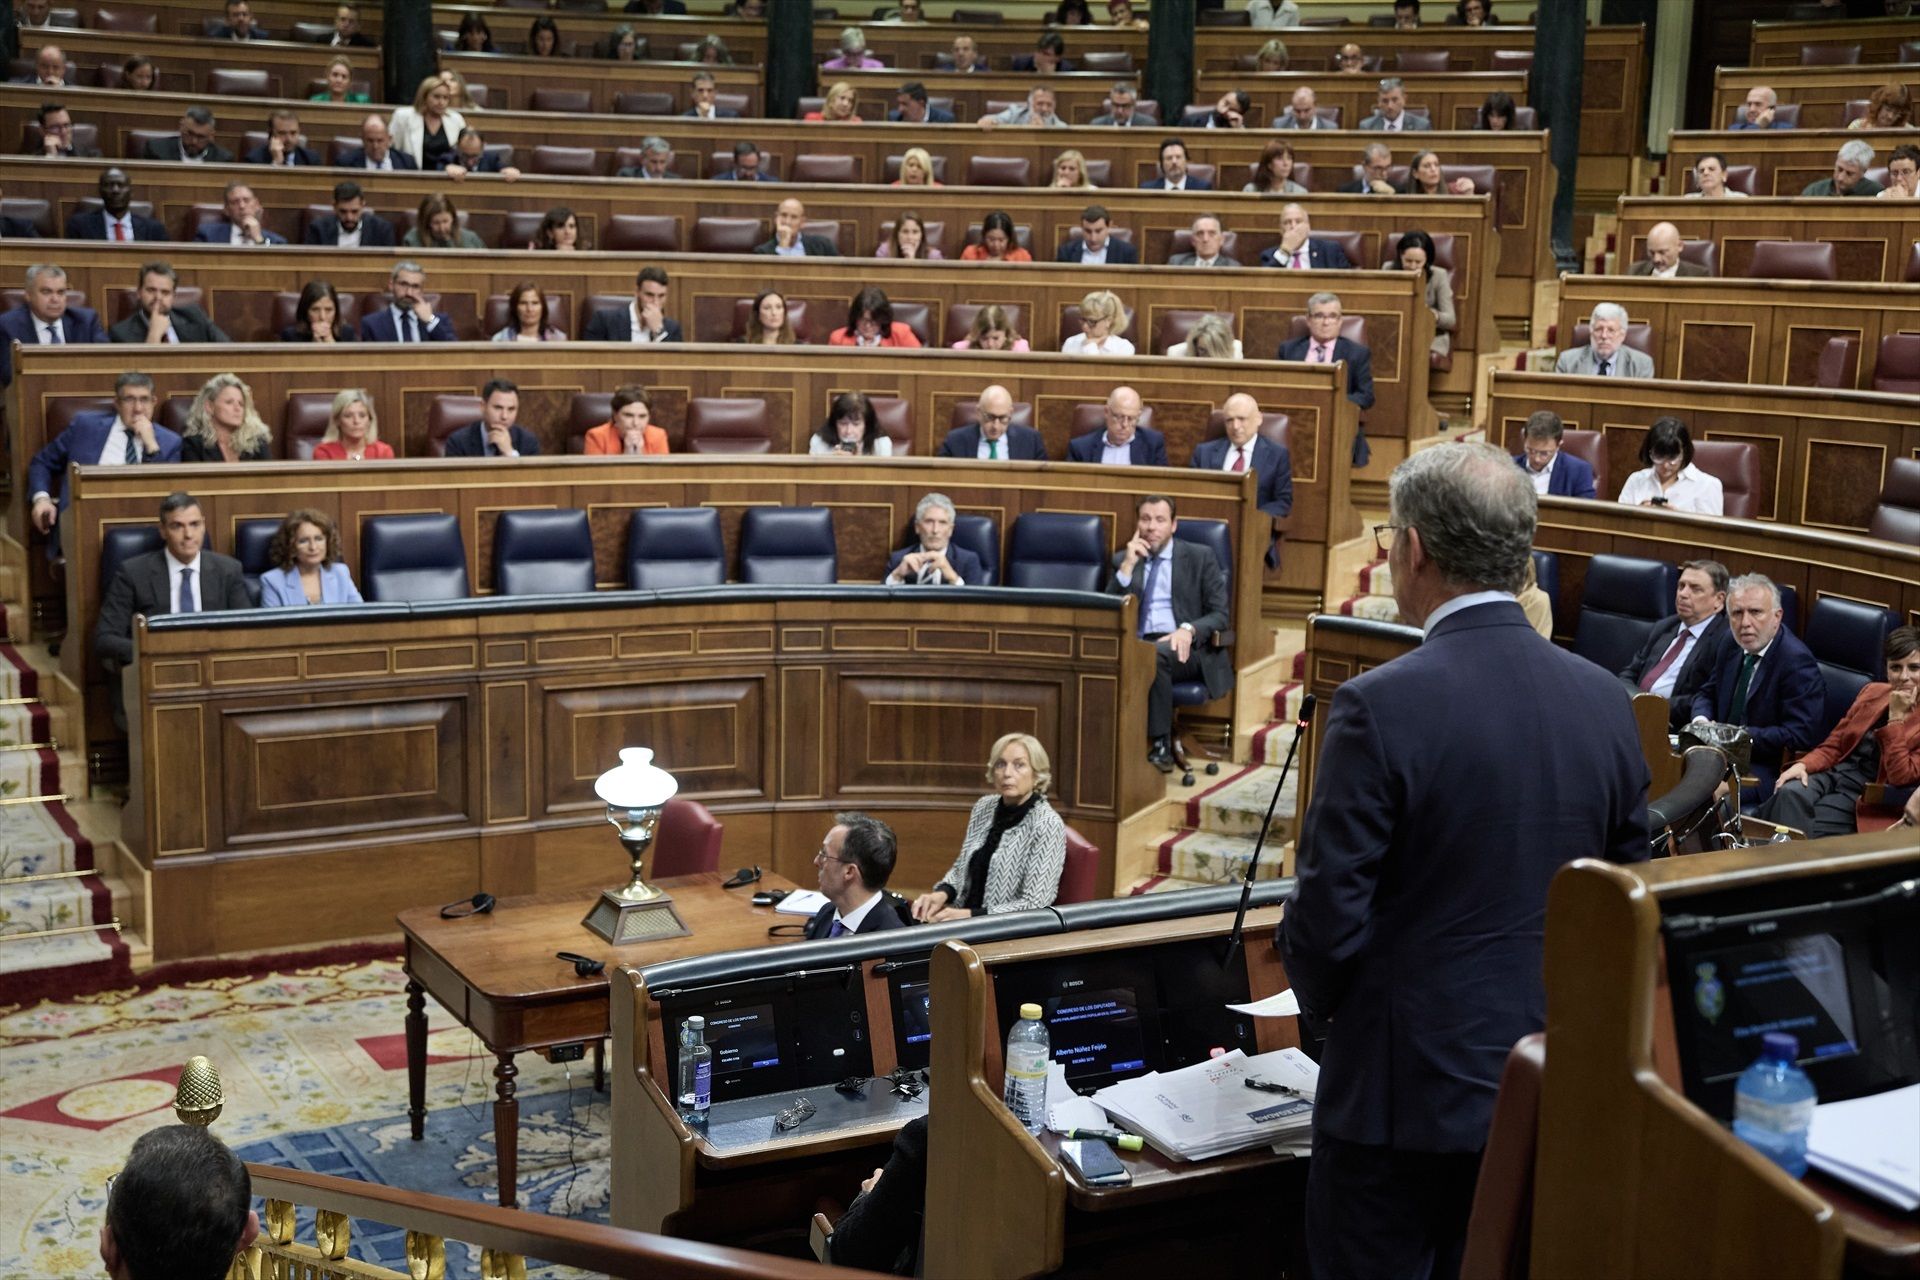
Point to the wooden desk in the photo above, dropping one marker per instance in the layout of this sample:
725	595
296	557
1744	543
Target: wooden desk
1786	161
497	975
1777	44
1872	239
1822	93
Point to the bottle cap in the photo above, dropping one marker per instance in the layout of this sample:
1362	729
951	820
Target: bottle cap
695	1023
1783	1046
1030	1011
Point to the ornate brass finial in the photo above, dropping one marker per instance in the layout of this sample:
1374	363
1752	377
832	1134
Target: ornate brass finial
199	1098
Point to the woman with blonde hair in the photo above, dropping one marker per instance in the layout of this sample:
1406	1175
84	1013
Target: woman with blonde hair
916	169
428	129
353	432
339	83
1211	338
1070	172
1102	317
992	330
769	322
1272	56
223	425
1015	847
837	108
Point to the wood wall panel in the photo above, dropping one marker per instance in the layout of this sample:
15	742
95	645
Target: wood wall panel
1823	92
1872	238
1777	44
900	734
705	731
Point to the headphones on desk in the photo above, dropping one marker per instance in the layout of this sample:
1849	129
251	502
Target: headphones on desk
583	966
478	905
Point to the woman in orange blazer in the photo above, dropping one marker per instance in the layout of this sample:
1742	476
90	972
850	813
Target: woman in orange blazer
1817	793
870	323
631	430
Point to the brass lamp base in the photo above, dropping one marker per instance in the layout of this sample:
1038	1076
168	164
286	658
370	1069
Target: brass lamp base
621	919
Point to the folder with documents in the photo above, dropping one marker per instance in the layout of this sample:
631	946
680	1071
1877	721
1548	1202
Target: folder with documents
1872	1143
1209	1109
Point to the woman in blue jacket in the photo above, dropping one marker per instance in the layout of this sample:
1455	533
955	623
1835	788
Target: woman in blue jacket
308	568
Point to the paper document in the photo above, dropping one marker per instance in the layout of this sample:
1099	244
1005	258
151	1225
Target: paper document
1066	1109
802	902
1872	1143
1284	1005
1207	1109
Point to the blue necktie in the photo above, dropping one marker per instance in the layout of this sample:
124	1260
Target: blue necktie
1146	591
186	592
838	929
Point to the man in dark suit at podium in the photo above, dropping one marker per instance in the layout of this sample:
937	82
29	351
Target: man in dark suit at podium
1414	932
853	865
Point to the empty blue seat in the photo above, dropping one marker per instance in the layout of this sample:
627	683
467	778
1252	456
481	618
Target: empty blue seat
1849	639
1621	602
1215	537
979	535
121	544
1057	551
788	546
670	547
252	547
412	559
542	553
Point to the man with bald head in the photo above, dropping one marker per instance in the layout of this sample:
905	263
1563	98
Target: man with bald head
49	68
993	436
376	149
1663	260
788	240
1123	442
1244	449
1300	112
1759	111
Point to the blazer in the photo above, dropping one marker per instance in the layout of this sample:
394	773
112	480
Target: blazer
1193	184
1685	270
190	323
222	233
91	224
1272	462
1742	122
13	228
409	132
972	572
1022	444
471	441
1440	302
17	324
1580	360
1572	478
1024	871
357	159
881	1228
169	149
1135	121
375	231
300	155
1193	260
733	175
1322	255
1700	662
881	917
1409	123
336	451
1784	705
381	327
719	113
1119	252
935	115
1287	121
140	587
82	442
1899	743
1199	596
1147	449
813	246
280	588
1359	365
1417	919
358	40
192	450
615	324
605	441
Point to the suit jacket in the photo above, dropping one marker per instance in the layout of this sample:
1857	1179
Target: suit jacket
935	115
1322	255
1199	120
733	175
1899	743
357	159
1147	449
1416	923
1193	184
882	917
82	442
1787	697
719	113
77	324
140	587
221	31
1700	663
615	324
222	233
375	231
1409	123
358	40
189	323
91	224
972	572
1287	121
470	441
1359	365
815	247
1572	477
1629	362
1199	596
281	587
1273	463
1358	187
169	149
1119	252
1024	872
1136	121
1686	270
18	229
1742	122
1022	444
380	327
301	155
1190	260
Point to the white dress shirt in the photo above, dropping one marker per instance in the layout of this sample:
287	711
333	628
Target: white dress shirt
1179	185
1115	455
114	452
1393	125
1466	601
48	333
1671	676
174	569
124	222
640	331
1695	490
1543	478
1234	451
1093	257
853	919
986	445
349	239
383	163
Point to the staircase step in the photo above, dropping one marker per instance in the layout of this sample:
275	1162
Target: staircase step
1236	805
1201	857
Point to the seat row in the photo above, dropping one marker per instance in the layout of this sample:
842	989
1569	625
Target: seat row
1785	260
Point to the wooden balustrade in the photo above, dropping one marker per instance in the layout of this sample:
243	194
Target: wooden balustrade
1821	92
1778	44
1872	239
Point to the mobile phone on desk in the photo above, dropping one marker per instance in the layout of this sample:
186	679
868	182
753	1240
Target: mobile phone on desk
1096	1162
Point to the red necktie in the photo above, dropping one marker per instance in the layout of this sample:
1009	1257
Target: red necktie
1240	460
119	231
1652	677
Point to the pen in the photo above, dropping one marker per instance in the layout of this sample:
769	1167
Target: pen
1124	1141
1269	1086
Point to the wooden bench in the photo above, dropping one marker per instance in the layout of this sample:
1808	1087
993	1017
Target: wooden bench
1784	161
1873	240
1777	44
1822	93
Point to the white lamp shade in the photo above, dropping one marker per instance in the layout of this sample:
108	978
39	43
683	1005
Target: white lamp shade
636	782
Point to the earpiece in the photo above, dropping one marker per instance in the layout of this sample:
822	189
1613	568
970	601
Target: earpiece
478	905
584	966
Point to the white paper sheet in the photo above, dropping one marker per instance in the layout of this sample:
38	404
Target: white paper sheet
1284	1005
1872	1143
802	902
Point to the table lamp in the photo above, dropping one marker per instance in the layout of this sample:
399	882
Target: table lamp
635	790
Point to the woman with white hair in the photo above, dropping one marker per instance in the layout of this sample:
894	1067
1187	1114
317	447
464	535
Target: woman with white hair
1015	847
223	425
853	54
1102	317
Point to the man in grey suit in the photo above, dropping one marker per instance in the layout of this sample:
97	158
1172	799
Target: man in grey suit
1663	260
1391	113
1208	238
1301	112
1606	354
157	319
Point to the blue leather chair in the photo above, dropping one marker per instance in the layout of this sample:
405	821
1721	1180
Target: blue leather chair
1850	641
1215	537
412	559
119	545
1546	571
542	553
788	546
1620	604
670	547
979	535
252	540
1057	551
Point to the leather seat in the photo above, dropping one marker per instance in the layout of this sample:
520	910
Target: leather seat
1702	253
174	410
967	412
304	424
716	425
122	543
578	102
960	316
1275	427
979	535
669	547
813	167
788	546
1093	417
447	414
918	317
517	230
1736	465
1106	60
495	315
1621	601
1500	1228
1511	60
413	559
60	411
567	162
242	82
891	170
1898	367
1546	574
825	230
1352	328
1424	60
1849	640
132	22
1079	878
17	297
186	295
644	103
1912	273
252	545
999	171
137	140
1896	517
796	316
585	411
641	233
542	553
1214	536
1591	448
1794	260
896	422
1839	366
727	235
1829	55
1057	551
687	841
36	212
1173	327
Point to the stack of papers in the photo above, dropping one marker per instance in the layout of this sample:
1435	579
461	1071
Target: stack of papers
1207	1110
802	902
1871	1143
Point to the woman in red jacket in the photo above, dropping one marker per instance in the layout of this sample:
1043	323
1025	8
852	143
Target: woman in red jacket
1878	740
870	323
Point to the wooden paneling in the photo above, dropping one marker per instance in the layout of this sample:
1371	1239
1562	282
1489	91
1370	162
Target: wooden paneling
1777	44
1822	93
183	62
1872	239
1786	161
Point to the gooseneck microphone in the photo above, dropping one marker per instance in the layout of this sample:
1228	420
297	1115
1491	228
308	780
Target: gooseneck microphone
1253	863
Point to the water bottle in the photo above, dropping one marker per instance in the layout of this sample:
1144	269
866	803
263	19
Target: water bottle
695	1093
1773	1104
1029	1049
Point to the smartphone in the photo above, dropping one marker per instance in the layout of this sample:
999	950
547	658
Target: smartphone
1096	1162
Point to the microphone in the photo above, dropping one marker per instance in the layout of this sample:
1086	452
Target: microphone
1253	863
199	1098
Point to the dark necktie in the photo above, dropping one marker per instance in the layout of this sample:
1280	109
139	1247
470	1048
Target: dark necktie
53	333
133	449
1146	591
413	334
186	592
1605	364
1652	677
1737	714
839	928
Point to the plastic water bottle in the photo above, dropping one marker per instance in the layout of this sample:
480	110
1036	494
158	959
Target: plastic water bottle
1029	1049
1773	1104
695	1093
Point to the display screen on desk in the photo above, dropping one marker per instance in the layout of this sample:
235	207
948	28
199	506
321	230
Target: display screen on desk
1097	1032
744	1040
912	1021
788	1031
1797	985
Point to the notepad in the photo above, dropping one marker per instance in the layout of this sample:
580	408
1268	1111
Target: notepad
1871	1143
804	902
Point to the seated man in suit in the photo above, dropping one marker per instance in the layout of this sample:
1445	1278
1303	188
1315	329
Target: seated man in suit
1681	652
56	134
1391	114
350	226
853	865
1606	354
1759	111
157	319
1244	449
470	155
1302	112
376	149
1036	112
1849	173
194	145
656	161
408	317
283	146
1122	111
966	55
1049	56
496	434
1878	740
1230	112
1173	171
910	106
1096	245
749	164
644	319
936	560
240	24
1323	345
1552	469
1374	163
705	91
788	241
1183	602
1298	250
1209	239
115	220
46	319
1663	260
1766	681
242	226
346	28
994	436
1123	442
49	68
125	437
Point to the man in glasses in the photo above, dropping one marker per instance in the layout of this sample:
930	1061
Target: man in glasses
852	866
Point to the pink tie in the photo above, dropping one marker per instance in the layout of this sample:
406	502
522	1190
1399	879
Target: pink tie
1652	677
1240	460
1297	264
